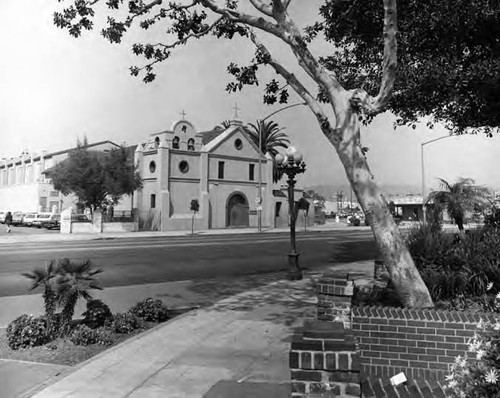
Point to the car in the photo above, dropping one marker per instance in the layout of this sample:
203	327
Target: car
28	219
2	216
54	222
79	218
17	217
40	218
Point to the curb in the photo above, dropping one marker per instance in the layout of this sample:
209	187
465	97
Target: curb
53	238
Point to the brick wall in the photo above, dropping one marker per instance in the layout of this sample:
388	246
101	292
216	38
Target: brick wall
334	299
324	362
420	343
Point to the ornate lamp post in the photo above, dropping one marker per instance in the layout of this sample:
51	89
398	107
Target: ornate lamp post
291	164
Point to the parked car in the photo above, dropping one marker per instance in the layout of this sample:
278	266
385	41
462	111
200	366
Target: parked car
54	222
79	218
28	219
41	218
17	217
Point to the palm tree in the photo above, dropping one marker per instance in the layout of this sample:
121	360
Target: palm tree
45	277
225	124
458	198
72	281
271	138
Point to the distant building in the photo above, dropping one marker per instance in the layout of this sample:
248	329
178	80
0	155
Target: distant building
24	187
406	207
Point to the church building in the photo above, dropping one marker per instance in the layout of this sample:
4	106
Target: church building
218	168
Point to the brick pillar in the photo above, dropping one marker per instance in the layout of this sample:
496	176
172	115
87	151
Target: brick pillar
335	299
324	362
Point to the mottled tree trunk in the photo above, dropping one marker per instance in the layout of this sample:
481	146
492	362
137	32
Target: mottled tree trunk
404	275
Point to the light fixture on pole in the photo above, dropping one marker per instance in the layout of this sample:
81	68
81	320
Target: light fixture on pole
259	195
291	164
424	210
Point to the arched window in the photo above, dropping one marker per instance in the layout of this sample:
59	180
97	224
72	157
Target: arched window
175	142
157	141
191	144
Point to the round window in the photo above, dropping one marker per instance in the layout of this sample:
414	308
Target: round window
238	144
183	166
152	166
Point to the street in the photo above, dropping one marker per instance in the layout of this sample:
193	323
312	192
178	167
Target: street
161	259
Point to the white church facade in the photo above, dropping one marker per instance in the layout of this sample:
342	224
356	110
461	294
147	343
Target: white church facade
218	168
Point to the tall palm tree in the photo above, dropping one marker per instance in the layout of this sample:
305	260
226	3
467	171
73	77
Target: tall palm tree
458	198
271	138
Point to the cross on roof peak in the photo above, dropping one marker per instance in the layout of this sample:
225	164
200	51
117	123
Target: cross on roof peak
236	109
183	114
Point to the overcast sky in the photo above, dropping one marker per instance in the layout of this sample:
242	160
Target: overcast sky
54	89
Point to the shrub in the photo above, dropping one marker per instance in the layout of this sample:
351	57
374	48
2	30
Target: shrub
126	323
83	335
456	265
151	310
97	314
27	331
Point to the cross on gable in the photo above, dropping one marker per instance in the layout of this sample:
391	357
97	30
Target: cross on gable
236	109
183	114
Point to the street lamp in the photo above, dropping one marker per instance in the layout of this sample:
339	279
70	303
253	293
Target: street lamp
291	164
424	210
259	198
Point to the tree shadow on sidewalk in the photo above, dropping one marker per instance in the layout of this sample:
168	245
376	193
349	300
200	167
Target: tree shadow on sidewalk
269	298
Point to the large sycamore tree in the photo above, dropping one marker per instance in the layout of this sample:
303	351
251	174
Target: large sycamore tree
338	108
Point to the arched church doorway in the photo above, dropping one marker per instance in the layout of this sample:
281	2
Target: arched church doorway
237	211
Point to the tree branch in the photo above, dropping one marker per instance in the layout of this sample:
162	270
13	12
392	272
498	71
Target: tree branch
247	19
297	86
360	98
263	8
191	35
149	6
287	31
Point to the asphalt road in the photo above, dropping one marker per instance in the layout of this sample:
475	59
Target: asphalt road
163	259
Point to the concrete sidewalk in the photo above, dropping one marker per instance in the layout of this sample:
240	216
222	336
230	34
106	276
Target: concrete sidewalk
237	347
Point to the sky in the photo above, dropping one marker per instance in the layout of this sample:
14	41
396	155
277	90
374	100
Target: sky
55	89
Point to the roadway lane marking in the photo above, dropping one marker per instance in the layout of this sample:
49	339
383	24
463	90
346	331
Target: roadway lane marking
165	246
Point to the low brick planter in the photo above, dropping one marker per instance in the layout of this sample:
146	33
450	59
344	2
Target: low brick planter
323	360
350	345
420	343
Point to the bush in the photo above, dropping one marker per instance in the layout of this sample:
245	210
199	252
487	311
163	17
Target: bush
97	314
126	323
27	331
453	265
151	310
83	335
